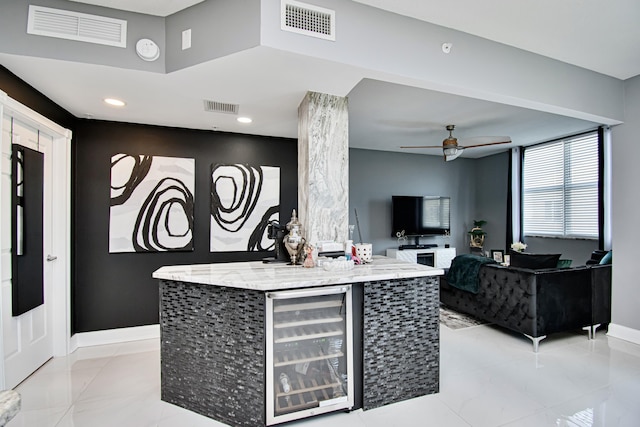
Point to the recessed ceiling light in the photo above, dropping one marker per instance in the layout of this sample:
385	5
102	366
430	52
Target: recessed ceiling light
114	102
244	119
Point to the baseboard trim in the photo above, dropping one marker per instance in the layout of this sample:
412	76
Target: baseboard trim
113	336
624	333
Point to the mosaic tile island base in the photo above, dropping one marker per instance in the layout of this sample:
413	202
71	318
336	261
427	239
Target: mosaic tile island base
212	324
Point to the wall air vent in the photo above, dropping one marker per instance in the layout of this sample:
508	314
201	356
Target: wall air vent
65	24
220	107
308	19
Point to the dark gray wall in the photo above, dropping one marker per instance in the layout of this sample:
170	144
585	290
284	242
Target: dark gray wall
117	290
375	176
17	89
491	205
577	250
478	189
492	186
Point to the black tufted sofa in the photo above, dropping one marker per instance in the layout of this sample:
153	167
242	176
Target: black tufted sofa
536	302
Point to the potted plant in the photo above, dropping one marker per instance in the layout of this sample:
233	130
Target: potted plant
477	234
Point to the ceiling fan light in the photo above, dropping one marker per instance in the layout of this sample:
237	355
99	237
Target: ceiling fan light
451	153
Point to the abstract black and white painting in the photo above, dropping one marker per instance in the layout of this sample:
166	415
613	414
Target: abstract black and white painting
244	198
151	203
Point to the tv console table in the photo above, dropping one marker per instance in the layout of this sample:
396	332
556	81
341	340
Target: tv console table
439	257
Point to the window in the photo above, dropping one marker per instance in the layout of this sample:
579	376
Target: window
561	188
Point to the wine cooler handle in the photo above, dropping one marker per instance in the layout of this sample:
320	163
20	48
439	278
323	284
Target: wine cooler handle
308	292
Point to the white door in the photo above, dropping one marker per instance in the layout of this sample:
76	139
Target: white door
28	338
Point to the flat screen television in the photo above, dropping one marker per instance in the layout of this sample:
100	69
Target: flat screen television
421	215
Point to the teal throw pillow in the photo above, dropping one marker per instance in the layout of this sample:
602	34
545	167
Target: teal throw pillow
606	259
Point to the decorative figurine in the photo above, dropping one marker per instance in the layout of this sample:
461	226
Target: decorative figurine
477	234
308	261
294	242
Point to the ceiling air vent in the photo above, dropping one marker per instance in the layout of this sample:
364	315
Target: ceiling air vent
65	24
308	19
220	107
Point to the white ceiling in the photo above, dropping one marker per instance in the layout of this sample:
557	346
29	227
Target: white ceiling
383	116
149	7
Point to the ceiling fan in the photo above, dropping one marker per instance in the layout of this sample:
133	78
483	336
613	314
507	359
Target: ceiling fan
452	150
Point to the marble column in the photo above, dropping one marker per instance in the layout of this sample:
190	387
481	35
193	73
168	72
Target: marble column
323	167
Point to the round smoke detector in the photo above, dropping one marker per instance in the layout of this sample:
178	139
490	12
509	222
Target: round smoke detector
147	49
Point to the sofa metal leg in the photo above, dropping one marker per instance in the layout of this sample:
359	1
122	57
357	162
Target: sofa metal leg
593	330
536	341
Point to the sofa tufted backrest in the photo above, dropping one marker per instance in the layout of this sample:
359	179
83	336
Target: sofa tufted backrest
533	261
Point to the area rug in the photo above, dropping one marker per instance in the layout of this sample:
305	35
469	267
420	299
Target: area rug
454	320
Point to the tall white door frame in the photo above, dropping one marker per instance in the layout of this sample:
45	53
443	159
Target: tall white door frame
61	220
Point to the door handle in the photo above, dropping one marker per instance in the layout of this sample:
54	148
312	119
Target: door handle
51	258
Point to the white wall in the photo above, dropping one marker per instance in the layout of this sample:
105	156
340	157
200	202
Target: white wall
626	207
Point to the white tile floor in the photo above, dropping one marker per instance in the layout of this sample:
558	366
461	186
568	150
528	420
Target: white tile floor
489	377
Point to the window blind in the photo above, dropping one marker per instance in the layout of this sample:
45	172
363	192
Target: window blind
560	188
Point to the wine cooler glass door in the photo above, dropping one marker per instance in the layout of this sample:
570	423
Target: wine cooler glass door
309	357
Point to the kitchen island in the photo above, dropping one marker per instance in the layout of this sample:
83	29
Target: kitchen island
214	338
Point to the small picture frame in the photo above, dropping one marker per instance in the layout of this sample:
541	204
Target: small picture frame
497	255
507	259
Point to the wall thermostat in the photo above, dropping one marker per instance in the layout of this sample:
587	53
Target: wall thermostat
147	49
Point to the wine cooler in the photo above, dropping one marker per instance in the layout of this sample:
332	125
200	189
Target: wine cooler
309	358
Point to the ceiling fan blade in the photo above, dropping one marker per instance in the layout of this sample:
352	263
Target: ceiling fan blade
484	145
421	146
451	143
480	140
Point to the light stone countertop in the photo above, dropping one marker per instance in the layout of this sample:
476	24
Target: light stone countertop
259	276
9	405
